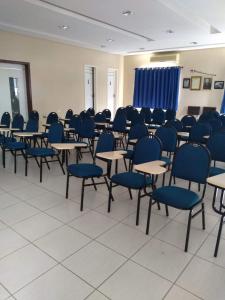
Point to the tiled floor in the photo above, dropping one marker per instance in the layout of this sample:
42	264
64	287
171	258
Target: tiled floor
49	250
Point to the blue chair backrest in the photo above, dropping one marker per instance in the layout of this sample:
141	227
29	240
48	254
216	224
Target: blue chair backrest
168	137
191	162
147	149
105	142
121	110
137	120
222	119
52	118
5	120
198	131
216	125
75	122
119	123
56	133
137	131
85	115
100	117
177	124
32	125
34	115
170	114
158	116
18	122
87	128
188	120
69	114
146	114
216	146
91	111
107	113
131	113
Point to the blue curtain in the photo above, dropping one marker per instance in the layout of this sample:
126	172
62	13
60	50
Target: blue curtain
222	109
157	87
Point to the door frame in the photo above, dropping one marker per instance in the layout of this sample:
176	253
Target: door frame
94	84
117	86
27	79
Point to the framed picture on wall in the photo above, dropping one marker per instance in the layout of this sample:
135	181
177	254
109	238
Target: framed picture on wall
219	85
196	83
186	83
207	83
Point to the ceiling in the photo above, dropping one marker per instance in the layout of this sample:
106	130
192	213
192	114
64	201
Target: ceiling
154	25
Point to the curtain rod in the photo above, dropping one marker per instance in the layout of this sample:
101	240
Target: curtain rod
182	67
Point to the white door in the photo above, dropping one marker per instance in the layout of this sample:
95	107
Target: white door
112	91
89	72
13	91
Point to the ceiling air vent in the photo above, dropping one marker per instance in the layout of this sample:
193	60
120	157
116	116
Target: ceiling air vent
164	57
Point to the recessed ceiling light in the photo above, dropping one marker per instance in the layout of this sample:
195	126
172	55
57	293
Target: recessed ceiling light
110	40
64	27
141	48
127	13
169	31
194	43
103	46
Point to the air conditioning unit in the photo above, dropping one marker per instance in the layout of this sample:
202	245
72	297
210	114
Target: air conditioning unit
164	57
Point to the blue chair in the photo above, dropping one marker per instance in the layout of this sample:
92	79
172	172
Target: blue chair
136	132
34	115
146	114
216	146
216	125
177	124
119	126
52	118
18	122
5	120
191	163
168	138
107	113
32	125
91	171
55	135
69	114
198	132
147	149
188	121
87	132
74	127
222	119
129	110
85	115
158	116
137	118
91	111
100	117
170	114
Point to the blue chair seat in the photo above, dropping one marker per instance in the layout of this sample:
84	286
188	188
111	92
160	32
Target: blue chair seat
167	160
5	140
131	180
15	145
85	170
129	154
213	171
40	152
176	197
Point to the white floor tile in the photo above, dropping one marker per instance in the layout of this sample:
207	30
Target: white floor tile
2	225
28	192
46	200
176	293
132	282
175	234
66	212
3	293
124	239
10	241
62	242
162	258
22	266
37	226
56	284
17	213
7	200
93	199
94	263
97	296
93	223
203	279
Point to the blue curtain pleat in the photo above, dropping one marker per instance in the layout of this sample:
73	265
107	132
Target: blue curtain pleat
222	109
157	87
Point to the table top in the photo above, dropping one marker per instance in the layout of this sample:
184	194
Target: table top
111	155
3	125
152	130
183	133
117	135
69	129
46	125
217	181
68	146
64	119
9	129
102	124
206	136
27	134
152	167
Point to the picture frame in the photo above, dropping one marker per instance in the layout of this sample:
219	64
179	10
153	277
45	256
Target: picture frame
186	83
207	83
196	83
218	85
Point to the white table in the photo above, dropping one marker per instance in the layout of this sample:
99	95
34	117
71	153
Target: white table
110	156
65	147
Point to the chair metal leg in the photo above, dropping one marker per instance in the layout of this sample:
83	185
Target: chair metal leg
67	185
203	216
188	231
218	236
61	165
138	207
15	162
92	179
167	210
41	169
130	193
47	163
26	165
125	163
82	196
110	197
3	157
149	215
